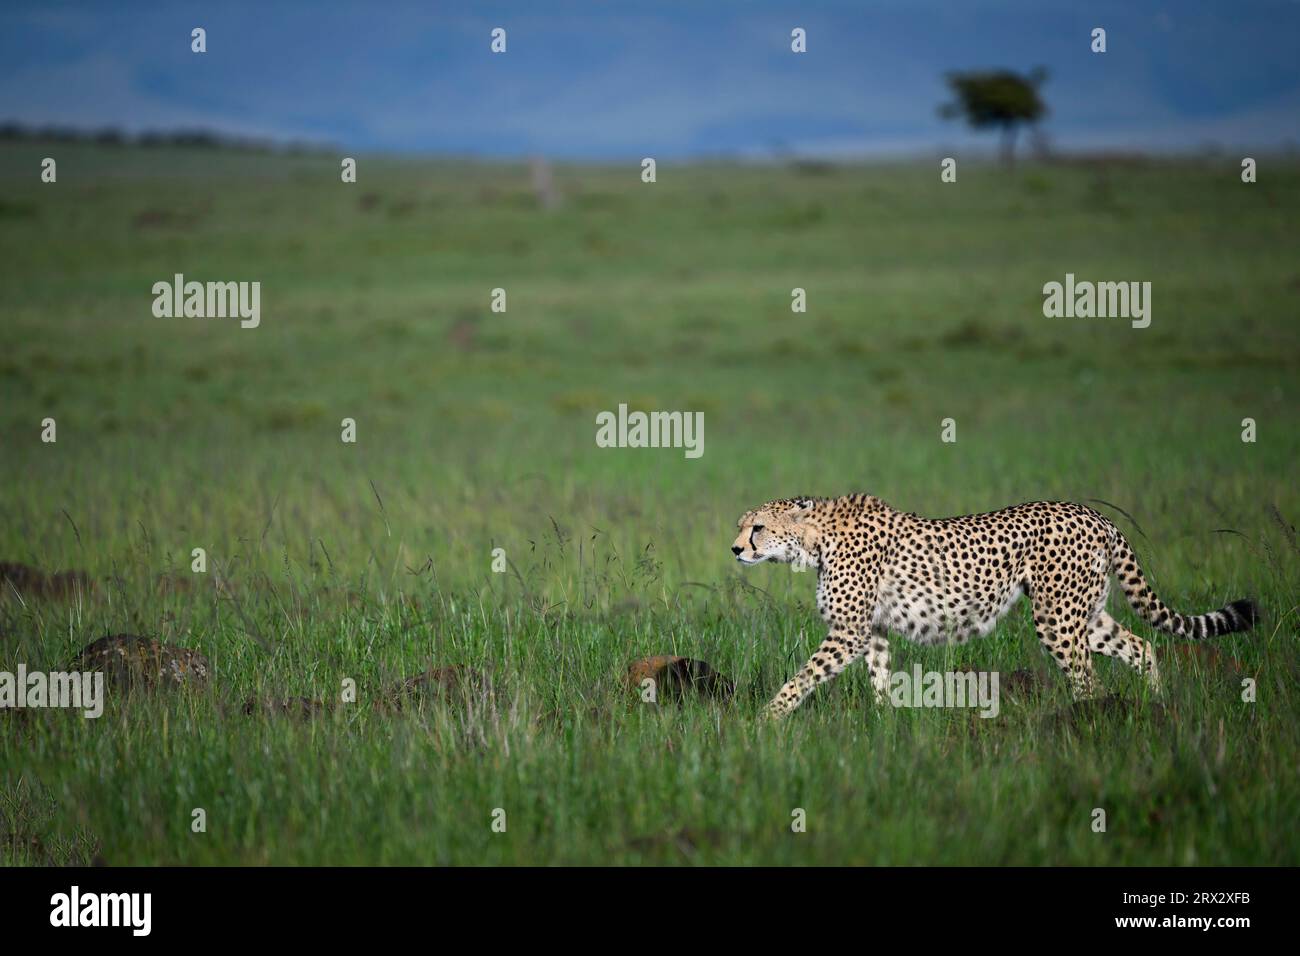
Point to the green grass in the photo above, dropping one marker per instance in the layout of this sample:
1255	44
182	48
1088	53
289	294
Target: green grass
476	431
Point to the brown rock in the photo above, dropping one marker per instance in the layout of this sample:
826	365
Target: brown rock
1022	682
685	840
675	676
1204	654
173	582
21	576
304	707
33	582
128	661
68	583
1090	712
454	682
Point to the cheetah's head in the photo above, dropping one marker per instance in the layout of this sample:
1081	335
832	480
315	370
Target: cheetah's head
784	530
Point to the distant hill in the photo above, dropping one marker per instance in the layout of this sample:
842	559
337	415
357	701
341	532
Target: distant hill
12	131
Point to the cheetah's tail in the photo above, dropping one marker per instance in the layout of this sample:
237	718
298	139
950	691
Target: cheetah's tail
1237	616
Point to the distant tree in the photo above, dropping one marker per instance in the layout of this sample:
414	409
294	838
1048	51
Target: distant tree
998	99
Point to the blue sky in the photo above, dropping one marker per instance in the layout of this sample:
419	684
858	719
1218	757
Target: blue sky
605	79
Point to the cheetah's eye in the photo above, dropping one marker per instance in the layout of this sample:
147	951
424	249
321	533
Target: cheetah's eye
758	527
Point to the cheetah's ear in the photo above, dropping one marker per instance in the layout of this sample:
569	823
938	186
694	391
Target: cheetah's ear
801	508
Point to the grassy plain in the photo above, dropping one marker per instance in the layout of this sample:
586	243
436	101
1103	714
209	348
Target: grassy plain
372	560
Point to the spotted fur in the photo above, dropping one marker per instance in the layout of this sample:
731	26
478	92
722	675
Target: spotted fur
944	580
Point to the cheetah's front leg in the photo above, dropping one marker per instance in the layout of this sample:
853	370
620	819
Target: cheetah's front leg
840	649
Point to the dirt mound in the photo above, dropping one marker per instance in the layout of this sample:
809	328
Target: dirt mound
674	677
130	661
452	684
304	707
685	840
455	683
173	582
1023	682
1093	713
33	582
1203	654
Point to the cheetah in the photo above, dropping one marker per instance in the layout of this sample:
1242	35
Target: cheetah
943	580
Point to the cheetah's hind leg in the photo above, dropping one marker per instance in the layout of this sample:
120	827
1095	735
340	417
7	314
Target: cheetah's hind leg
1107	636
1065	635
